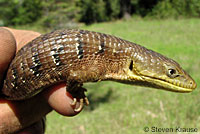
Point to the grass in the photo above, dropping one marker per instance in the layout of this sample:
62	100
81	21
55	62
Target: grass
116	108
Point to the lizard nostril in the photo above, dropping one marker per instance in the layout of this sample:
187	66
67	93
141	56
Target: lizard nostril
191	83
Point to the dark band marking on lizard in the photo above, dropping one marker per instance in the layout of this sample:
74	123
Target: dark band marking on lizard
80	49
55	56
36	62
101	48
14	77
14	73
79	45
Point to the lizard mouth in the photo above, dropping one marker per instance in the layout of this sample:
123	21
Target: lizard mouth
167	85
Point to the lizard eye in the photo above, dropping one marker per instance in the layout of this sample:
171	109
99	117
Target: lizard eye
172	73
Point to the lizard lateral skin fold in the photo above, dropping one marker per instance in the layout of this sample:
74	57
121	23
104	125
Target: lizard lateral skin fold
79	56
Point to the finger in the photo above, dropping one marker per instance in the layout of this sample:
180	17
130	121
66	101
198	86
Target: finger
17	115
7	50
23	36
60	101
36	128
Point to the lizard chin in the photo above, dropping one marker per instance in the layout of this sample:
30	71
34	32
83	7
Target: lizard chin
161	84
134	79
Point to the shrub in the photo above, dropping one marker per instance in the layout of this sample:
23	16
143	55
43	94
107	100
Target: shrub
176	8
59	14
19	12
64	13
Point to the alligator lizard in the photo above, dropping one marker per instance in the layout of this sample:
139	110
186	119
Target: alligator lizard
79	56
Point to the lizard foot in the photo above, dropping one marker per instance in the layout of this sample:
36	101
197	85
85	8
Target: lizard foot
79	96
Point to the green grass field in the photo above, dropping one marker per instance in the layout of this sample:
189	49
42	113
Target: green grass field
123	109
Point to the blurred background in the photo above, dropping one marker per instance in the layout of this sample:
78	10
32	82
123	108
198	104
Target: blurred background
56	14
170	27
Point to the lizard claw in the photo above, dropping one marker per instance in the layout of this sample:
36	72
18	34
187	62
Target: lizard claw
86	101
82	102
74	102
80	106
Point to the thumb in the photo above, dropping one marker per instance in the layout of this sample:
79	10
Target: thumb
7	50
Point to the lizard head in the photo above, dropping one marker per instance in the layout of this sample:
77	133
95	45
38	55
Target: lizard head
152	69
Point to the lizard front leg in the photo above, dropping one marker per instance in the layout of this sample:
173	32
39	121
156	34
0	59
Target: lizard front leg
78	94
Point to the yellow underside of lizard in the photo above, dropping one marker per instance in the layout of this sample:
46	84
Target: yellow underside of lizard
157	82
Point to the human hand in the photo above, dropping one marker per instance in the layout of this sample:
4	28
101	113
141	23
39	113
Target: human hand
26	116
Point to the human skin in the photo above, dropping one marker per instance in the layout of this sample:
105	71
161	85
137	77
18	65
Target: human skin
24	117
